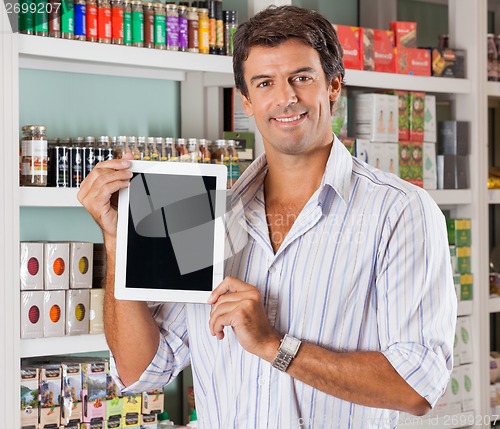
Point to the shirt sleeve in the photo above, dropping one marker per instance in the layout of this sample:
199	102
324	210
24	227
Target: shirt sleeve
417	304
172	355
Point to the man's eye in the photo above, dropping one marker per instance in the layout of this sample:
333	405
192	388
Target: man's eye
263	84
302	78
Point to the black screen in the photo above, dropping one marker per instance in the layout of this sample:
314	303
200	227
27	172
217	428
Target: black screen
171	232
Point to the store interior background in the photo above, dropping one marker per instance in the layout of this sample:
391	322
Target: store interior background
104	105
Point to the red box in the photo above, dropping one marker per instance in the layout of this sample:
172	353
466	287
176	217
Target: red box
383	51
351	40
413	61
405	33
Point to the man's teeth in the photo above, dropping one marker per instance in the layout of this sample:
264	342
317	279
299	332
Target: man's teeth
294	118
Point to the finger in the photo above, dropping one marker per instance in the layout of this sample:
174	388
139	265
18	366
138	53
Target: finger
99	181
229	284
220	311
102	168
219	325
248	295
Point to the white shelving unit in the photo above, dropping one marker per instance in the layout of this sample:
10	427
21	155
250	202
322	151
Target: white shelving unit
202	77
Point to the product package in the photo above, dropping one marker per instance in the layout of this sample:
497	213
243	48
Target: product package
50	392
350	144
71	399
403	114
94	389
453	138
54	311
29	396
77	311
114	400
383	51
31	258
413	61
56	257
429	164
430	134
468	387
81	256
371	117
99	265
351	40
416	112
32	322
96	315
391	161
152	402
411	162
339	115
448	63
405	33
466	352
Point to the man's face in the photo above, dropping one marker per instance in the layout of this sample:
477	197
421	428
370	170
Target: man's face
289	97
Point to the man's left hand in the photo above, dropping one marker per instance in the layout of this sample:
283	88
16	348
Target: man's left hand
239	305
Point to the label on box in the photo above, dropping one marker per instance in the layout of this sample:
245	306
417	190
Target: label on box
350	39
383	51
405	33
413	61
416	106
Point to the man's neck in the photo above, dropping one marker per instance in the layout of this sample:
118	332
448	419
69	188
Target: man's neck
293	178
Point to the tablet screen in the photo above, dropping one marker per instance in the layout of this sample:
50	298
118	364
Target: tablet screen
171	232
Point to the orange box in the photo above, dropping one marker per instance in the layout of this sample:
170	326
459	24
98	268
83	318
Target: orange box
351	40
413	61
383	51
405	33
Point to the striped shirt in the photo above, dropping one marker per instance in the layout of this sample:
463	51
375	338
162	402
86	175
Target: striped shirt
365	267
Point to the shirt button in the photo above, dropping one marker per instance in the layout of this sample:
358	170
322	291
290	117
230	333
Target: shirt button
261	381
272	269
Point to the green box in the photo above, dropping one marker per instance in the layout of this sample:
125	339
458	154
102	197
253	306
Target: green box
463	260
462	232
411	167
350	144
466	287
339	115
244	143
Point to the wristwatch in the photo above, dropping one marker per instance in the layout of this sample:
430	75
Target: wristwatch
289	346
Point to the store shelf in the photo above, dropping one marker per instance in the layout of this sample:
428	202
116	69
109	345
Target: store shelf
48	197
449	422
47	53
63	345
447	197
379	80
464	308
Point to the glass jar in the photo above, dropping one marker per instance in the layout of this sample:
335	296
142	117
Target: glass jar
34	153
160	26
218	153
80	11
232	162
230	25
183	28
67	20
219	28
168	152
172	27
103	21
54	18
180	148
154	149
41	18
117	22
119	148
149	25
193	150
203	31
193	23
127	23
203	145
137	24
91	21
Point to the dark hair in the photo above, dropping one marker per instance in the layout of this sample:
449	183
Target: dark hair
275	25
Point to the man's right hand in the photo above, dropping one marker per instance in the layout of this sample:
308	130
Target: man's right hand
99	192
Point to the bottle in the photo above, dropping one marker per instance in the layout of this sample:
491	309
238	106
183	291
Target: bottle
232	163
492	58
203	31
137	23
193	151
127	23
149	24
230	25
116	22
193	24
204	152
160	26
91	21
34	154
104	21
181	150
172	27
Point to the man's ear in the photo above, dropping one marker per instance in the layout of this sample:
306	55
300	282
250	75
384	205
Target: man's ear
334	88
247	104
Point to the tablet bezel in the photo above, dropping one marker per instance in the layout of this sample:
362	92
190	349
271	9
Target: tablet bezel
170	295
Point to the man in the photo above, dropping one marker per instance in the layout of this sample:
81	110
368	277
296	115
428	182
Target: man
338	258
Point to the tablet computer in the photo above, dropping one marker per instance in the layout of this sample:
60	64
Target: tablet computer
170	236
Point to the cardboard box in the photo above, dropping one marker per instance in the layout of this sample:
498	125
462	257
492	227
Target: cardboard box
456	283
77	311
132	403
368	49
113	424
131	421
114	400
457	346
392	104
465	336
463	260
468	387
152	402
81	257
32	264
453	138
448	63
99	266
466	287
54	313
403	114
94	389
429	164
451	401
96	315
149	421
29	396
430	134
71	399
339	115
383	51
416	112
416	62
50	391
391	162
446	171
370	152
350	39
462	172
56	256
350	144
405	33
98	424
371	117
32	322
411	162
453	260
459	231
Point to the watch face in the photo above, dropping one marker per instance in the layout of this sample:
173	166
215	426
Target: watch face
290	345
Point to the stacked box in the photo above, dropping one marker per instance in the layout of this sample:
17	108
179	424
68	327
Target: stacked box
378	49
71	399
54	309
50	393
411	162
77	311
403	114
448	62
132	405
339	115
99	265
81	265
430	134
32	264
453	138
56	257
413	61
370	117
152	402
405	33
416	112
32	314
468	388
29	396
94	383
351	40
114	399
429	165
96	315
